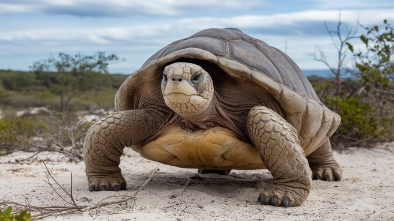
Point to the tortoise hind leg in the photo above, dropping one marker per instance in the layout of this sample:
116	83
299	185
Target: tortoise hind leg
281	153
323	164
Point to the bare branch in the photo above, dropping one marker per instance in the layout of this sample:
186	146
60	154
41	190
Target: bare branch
323	59
70	194
47	211
330	32
339	41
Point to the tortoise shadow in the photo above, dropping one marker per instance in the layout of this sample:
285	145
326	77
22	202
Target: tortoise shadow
237	184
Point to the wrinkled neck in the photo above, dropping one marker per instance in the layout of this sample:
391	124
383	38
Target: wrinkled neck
204	119
213	116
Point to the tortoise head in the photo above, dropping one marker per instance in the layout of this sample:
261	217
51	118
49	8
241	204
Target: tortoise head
187	88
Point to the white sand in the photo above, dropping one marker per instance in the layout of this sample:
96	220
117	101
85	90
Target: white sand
365	193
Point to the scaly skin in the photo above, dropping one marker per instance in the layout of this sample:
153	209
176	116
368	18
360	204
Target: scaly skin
106	139
281	153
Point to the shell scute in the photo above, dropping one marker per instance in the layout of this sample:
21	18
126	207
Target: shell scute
246	53
224	34
215	46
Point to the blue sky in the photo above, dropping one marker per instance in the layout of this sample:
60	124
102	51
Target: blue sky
33	30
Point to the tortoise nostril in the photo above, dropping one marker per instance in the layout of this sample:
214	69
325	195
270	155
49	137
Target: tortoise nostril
176	79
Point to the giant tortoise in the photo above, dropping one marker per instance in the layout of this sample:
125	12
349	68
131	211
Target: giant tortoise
216	101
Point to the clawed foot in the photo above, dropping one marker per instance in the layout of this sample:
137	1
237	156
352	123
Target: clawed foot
323	165
329	173
114	182
282	195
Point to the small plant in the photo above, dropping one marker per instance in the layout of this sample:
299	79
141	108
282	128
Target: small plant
58	132
3	92
65	134
17	132
357	116
7	216
360	123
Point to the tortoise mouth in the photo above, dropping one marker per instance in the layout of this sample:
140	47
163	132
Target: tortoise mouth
181	98
184	104
177	97
178	93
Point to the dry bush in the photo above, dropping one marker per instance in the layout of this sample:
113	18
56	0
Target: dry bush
58	132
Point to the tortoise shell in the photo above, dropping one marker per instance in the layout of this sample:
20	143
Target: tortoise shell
244	57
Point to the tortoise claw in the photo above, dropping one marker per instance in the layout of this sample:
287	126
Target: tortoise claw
123	186
116	188
326	174
275	201
337	176
263	200
286	202
92	188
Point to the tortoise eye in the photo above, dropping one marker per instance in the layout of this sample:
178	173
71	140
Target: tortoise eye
197	77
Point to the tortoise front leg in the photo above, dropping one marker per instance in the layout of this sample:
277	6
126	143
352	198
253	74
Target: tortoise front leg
106	139
282	155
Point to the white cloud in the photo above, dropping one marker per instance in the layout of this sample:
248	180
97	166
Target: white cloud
350	4
89	35
164	31
254	21
126	8
16	8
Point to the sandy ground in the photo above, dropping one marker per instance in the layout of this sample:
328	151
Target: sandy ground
366	192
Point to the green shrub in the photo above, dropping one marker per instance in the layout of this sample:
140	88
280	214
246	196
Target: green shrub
64	133
357	116
58	131
45	95
7	216
16	132
3	92
66	130
17	80
360	123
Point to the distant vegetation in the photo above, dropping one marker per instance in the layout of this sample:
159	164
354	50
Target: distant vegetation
62	84
21	90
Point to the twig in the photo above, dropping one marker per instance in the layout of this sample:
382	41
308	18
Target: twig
130	197
47	211
54	189
32	156
188	180
70	194
146	182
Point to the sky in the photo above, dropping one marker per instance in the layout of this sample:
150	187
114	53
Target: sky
34	30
